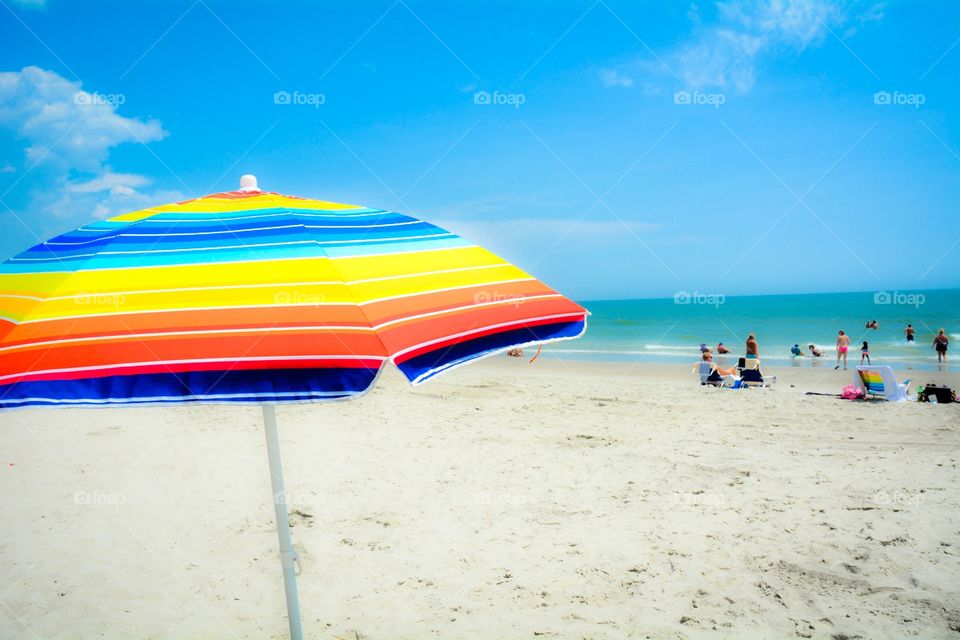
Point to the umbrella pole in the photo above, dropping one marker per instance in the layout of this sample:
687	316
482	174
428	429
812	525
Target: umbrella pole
288	557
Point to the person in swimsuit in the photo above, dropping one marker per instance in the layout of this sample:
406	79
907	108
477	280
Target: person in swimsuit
909	332
865	352
753	349
873	325
813	350
721	348
795	350
940	344
729	371
843	345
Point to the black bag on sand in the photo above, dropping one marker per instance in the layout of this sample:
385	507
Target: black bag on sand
943	395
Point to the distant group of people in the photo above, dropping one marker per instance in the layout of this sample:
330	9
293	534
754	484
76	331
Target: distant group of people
752	352
752	348
720	348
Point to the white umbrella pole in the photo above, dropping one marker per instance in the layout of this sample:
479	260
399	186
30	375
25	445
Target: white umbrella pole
288	557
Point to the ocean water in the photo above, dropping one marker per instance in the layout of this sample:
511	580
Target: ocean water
671	330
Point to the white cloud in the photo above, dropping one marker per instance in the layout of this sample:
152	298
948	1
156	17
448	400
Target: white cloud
726	52
80	202
110	181
68	134
64	125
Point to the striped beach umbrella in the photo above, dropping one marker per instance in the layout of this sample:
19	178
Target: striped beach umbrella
256	297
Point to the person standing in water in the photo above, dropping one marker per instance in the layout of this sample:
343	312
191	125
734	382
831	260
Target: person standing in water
908	332
864	352
843	345
940	344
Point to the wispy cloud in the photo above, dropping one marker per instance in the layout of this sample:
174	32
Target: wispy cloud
64	125
727	51
67	135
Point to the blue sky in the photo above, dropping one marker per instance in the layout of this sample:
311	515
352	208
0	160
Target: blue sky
614	149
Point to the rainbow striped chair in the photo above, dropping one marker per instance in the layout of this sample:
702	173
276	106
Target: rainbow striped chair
881	381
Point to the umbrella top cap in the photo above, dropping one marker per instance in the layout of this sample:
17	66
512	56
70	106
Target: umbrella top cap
248	183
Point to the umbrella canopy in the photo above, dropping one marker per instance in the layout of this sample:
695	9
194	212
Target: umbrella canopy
249	296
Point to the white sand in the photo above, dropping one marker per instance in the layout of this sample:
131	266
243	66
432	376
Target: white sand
503	500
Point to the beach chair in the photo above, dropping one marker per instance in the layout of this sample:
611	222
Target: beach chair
877	380
752	376
710	376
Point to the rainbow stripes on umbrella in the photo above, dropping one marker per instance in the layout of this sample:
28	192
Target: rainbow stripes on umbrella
256	297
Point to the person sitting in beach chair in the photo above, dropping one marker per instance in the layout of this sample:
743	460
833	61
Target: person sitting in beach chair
879	380
752	376
711	374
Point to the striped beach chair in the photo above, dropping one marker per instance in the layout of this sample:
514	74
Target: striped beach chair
881	381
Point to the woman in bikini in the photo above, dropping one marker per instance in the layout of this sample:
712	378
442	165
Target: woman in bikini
843	345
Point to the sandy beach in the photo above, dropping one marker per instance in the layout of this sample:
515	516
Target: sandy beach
505	499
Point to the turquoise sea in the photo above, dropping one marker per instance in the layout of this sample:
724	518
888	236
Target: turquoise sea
671	330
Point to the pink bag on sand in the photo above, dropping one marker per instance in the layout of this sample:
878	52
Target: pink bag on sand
851	392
